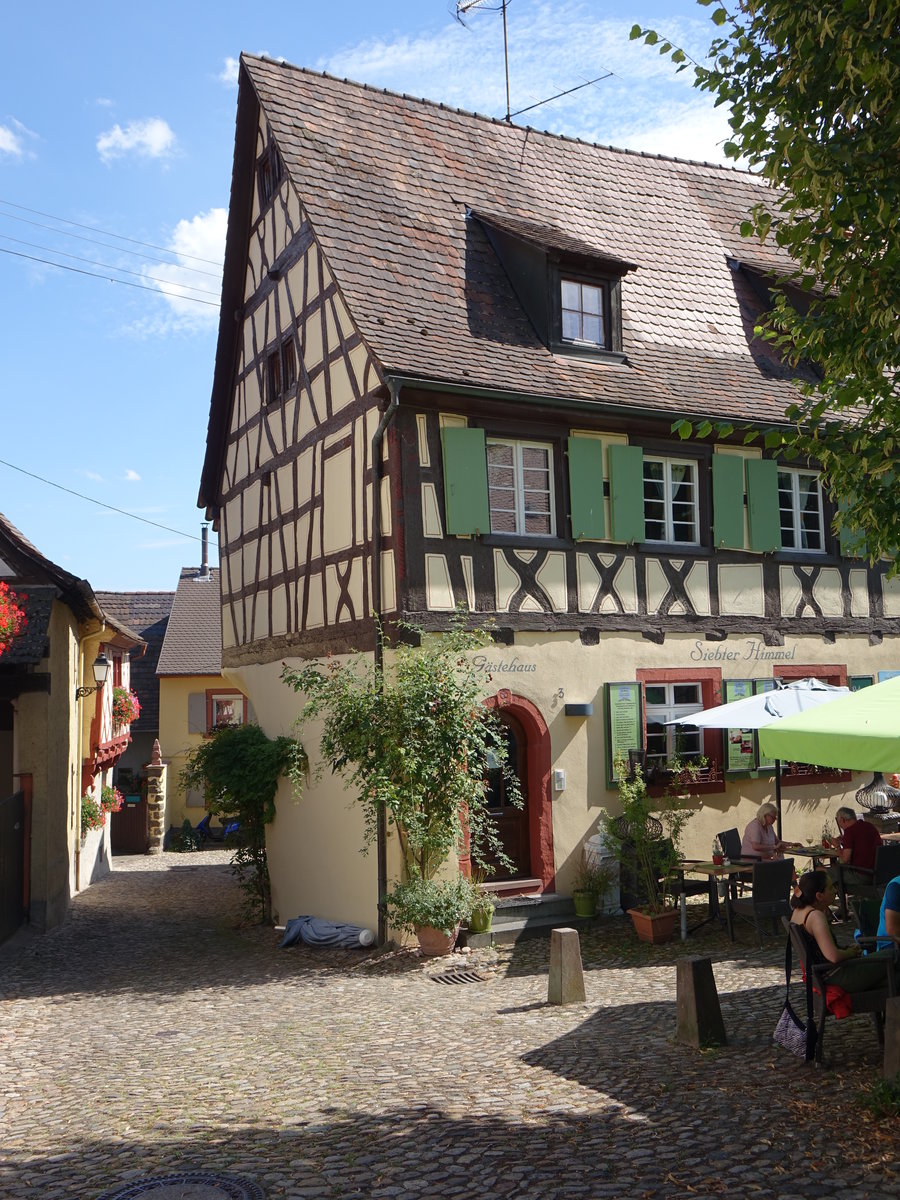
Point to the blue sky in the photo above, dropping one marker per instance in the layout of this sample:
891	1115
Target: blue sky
116	138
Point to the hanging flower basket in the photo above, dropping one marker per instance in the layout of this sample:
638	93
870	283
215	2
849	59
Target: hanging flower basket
12	617
92	815
111	799
125	707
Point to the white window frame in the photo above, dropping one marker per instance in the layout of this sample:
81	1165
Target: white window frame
796	528
659	714
668	490
517	447
602	290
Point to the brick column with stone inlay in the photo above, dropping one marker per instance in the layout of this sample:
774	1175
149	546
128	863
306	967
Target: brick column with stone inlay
156	801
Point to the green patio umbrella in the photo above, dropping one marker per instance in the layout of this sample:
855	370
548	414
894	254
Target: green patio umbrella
859	732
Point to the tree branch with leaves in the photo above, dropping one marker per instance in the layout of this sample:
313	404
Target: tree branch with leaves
813	89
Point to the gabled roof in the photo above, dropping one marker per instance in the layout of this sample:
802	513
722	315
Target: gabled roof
387	182
42	581
148	613
193	639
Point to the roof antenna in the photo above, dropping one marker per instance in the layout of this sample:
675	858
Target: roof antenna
466	6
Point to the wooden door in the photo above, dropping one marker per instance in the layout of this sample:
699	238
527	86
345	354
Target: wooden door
12	864
511	823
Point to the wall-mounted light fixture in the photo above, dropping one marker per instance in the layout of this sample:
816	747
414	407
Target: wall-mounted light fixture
579	710
100	667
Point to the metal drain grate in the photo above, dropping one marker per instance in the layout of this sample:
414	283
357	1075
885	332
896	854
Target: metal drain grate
191	1185
459	975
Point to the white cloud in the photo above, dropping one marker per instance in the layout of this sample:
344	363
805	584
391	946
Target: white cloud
151	137
11	142
198	244
88	474
131	476
103	102
229	73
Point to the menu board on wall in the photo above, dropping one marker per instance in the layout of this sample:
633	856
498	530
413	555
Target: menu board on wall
764	685
624	724
740	751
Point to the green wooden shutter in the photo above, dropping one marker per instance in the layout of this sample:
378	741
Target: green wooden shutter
728	500
853	544
626	493
465	480
762	504
586	487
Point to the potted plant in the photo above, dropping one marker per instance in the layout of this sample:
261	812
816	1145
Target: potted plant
125	707
432	909
92	815
482	904
646	838
590	883
111	799
412	740
12	615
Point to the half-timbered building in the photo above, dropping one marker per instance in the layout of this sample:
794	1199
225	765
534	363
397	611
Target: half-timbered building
451	354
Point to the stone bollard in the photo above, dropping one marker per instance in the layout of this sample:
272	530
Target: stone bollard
566	984
892	1038
699	1020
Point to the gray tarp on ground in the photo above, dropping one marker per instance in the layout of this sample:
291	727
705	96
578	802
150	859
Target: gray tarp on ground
316	931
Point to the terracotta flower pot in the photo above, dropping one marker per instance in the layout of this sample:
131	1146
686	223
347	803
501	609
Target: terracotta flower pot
433	941
656	928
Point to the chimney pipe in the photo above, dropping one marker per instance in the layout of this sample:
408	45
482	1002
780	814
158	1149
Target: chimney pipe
204	553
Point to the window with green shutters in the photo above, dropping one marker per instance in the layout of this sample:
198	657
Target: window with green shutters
763	514
586	487
626	493
728	501
465	480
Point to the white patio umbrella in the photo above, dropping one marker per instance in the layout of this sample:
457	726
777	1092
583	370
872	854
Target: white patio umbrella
761	709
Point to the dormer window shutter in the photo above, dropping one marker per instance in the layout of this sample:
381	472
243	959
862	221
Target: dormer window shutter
728	501
762	504
465	480
626	493
586	487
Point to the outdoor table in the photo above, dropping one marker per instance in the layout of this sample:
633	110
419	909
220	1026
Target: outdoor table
715	872
816	853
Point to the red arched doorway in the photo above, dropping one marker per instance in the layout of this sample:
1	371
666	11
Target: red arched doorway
527	833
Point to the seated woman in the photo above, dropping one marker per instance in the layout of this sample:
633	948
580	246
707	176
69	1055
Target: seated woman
810	902
760	839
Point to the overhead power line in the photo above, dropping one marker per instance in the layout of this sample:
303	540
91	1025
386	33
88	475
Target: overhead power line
109	278
111	507
120	249
93	262
108	233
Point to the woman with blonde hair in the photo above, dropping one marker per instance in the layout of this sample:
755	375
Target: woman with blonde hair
760	839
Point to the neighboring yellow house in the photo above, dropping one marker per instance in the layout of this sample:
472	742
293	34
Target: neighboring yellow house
194	697
58	737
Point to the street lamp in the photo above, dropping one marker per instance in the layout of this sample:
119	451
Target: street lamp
100	667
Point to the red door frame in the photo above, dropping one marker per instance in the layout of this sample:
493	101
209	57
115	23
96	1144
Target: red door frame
537	782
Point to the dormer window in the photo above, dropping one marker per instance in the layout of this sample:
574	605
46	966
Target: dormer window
584	313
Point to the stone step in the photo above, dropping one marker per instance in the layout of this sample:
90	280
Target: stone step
526	916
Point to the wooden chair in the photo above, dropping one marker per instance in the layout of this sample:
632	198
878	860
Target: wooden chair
770	896
872	1001
887	865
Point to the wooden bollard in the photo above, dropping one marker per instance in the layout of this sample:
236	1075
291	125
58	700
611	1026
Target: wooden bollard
566	984
892	1038
699	1015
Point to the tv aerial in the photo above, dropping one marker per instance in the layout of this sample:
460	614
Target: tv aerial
464	7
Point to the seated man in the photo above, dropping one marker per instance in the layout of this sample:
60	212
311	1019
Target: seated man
889	921
855	847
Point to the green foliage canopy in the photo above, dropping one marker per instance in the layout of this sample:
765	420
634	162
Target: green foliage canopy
238	769
412	740
814	92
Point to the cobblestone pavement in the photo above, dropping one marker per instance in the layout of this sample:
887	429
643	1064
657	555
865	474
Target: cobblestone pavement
152	1035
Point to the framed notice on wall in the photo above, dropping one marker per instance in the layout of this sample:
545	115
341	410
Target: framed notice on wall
624	724
740	749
